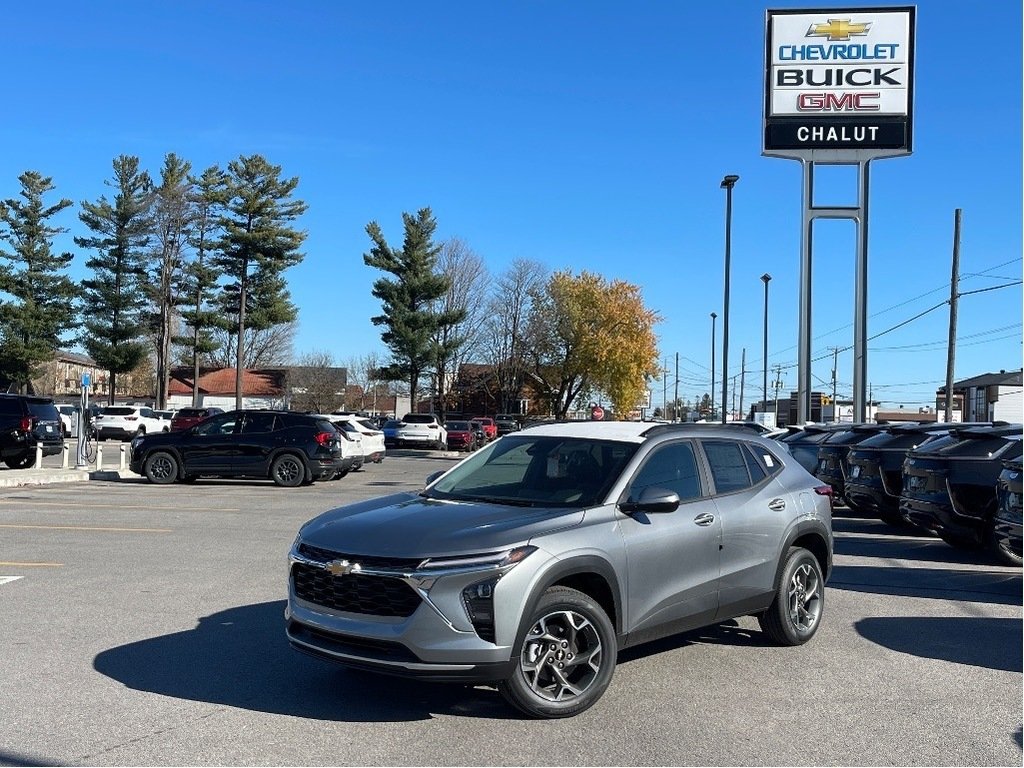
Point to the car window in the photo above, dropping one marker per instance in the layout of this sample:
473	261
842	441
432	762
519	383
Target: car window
672	467
757	473
258	423
118	410
419	418
728	467
767	461
221	425
10	405
147	413
46	411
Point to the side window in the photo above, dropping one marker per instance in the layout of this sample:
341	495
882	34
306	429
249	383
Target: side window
222	425
757	473
258	423
673	467
147	413
728	467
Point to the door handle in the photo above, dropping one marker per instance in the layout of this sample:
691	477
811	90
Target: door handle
776	505
704	519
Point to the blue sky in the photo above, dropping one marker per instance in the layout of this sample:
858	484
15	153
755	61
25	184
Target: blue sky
580	135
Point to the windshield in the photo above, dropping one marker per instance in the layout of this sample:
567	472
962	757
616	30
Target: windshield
529	471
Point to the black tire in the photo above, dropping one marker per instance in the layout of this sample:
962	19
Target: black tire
960	542
578	660
160	468
21	461
893	518
795	613
1003	554
340	474
288	471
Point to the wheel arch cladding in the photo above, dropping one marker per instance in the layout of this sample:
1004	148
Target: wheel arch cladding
590	575
816	544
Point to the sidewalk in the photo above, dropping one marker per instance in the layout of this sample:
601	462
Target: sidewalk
52	470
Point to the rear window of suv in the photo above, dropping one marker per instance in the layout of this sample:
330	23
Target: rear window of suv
419	418
46	411
114	410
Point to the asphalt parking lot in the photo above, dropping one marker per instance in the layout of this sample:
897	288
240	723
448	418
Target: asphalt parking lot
143	626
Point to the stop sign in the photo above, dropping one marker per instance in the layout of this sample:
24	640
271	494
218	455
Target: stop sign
597	413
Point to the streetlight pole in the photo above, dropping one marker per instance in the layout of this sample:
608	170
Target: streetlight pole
727	184
713	316
765	278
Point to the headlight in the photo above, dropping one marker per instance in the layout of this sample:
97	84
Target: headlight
504	559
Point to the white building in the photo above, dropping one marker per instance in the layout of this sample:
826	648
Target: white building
988	397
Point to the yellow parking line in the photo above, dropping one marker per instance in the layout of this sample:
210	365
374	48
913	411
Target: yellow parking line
85	528
73	505
33	565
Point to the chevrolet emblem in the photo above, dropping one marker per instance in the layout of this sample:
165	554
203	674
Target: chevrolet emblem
342	567
837	29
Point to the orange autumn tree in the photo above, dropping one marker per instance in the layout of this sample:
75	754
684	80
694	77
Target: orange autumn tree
589	334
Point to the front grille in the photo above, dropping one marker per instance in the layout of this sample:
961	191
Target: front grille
365	561
370	595
380	650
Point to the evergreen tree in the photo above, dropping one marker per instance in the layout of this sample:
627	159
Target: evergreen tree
409	320
199	277
173	215
256	247
32	324
114	299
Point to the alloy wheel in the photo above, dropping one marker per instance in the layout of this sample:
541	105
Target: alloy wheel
562	656
804	598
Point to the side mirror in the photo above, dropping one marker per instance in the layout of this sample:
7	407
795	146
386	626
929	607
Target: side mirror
433	476
653	499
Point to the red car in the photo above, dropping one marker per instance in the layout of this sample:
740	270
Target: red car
189	417
490	428
461	436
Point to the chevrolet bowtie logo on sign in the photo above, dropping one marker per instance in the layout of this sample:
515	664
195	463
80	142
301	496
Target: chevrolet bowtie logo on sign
342	567
838	29
839	82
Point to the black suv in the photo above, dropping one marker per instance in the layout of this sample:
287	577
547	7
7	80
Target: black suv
949	484
26	421
1006	534
833	455
875	478
288	448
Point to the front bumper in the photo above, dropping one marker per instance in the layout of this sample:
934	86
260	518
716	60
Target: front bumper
934	512
437	640
1007	535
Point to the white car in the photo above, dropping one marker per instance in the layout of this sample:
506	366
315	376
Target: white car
372	438
127	421
422	429
352	451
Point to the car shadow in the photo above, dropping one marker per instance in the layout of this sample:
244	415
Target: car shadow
1002	587
873	525
992	643
21	759
240	657
922	549
727	633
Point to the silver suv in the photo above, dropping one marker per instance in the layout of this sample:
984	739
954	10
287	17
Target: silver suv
531	563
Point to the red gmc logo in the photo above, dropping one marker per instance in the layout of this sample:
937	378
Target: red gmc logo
831	102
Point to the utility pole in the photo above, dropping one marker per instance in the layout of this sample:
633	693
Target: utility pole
664	390
743	378
954	295
732	411
675	400
778	385
835	369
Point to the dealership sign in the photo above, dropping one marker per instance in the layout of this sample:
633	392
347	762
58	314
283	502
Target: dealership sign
838	81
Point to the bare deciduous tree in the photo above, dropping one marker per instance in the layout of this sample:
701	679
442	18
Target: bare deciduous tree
316	384
364	372
468	286
263	347
506	327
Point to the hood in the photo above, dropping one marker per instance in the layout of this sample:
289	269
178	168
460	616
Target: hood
406	525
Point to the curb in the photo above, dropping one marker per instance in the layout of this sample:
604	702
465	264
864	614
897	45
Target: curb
23	477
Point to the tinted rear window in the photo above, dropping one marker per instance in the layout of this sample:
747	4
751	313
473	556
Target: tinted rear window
419	418
46	411
457	426
191	412
116	410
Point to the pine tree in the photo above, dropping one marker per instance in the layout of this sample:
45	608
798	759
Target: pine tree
32	324
114	298
199	279
256	247
411	325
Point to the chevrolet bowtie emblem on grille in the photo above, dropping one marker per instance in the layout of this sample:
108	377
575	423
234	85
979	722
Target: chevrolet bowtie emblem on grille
342	567
837	29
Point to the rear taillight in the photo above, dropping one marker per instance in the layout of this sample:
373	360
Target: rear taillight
823	490
25	425
131	418
323	438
